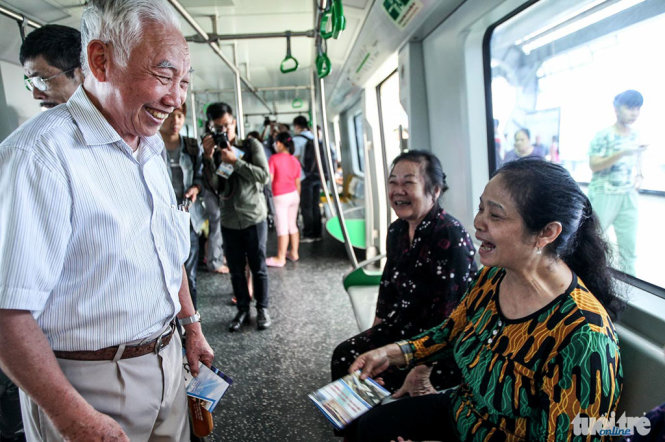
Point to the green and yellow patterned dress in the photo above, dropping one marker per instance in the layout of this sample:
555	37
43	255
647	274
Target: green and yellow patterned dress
526	379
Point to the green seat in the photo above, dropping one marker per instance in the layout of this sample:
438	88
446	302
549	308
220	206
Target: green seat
643	366
362	286
355	227
641	332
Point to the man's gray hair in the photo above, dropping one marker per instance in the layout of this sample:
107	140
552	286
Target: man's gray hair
121	23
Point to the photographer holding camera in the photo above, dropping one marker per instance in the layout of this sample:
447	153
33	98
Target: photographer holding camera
237	170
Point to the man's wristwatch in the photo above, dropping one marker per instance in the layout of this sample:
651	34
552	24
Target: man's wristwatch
196	317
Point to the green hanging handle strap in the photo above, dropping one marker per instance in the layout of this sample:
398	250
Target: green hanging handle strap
323	64
288	58
339	21
327	21
333	21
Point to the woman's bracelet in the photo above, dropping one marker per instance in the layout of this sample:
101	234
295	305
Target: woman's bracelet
405	347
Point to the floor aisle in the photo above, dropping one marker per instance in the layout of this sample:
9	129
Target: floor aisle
273	370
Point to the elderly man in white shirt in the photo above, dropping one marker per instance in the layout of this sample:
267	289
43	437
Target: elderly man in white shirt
92	242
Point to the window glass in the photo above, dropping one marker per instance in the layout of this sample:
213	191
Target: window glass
394	121
556	68
360	145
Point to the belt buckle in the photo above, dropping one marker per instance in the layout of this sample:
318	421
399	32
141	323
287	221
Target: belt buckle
158	344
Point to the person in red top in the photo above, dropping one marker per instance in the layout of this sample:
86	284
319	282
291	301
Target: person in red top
285	176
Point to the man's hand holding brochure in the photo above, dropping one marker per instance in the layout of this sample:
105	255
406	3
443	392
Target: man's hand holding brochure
210	385
204	393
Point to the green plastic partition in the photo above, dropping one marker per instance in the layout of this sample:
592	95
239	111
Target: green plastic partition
362	286
362	277
355	227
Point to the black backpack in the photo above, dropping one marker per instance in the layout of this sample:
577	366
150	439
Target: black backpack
309	160
192	149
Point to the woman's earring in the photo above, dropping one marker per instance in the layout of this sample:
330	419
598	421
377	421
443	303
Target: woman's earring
539	251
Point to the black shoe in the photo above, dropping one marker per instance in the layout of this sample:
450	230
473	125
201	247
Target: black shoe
262	318
241	318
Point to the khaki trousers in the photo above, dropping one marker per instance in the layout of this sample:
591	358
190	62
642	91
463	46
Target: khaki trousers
145	395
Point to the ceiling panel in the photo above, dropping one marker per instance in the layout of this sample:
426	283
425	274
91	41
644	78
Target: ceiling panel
206	3
41	10
259	59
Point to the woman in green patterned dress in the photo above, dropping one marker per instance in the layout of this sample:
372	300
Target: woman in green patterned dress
533	336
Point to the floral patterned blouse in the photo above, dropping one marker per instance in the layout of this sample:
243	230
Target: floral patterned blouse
424	280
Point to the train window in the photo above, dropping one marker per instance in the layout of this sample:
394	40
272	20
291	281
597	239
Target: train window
393	119
360	145
335	137
556	68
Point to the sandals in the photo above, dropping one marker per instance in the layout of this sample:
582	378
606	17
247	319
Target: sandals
274	262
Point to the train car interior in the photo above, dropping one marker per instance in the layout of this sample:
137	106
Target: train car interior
457	78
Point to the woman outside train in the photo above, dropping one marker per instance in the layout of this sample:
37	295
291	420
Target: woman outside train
523	147
285	177
532	337
430	263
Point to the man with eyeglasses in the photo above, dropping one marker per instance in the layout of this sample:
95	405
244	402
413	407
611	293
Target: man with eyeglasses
50	56
51	59
243	209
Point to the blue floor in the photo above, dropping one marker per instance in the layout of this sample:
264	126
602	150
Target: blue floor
274	370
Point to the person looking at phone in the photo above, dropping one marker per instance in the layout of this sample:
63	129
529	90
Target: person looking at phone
243	208
184	158
615	160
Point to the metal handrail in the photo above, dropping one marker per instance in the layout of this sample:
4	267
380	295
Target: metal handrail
7	12
215	37
320	88
215	47
367	262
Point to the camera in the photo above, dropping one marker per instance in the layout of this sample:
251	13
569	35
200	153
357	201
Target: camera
266	121
219	137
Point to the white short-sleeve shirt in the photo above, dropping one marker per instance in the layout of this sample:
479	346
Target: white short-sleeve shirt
91	240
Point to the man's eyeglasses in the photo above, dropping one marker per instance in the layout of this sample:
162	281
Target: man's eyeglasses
41	83
230	127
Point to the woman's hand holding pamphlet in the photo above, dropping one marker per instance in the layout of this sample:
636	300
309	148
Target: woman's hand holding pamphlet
347	398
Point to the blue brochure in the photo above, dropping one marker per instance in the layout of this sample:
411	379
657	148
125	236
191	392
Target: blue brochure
225	169
209	386
345	399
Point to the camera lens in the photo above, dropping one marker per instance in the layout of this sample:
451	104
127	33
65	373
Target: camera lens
221	140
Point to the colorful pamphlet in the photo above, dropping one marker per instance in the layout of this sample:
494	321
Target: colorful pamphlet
225	169
197	215
209	386
345	399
